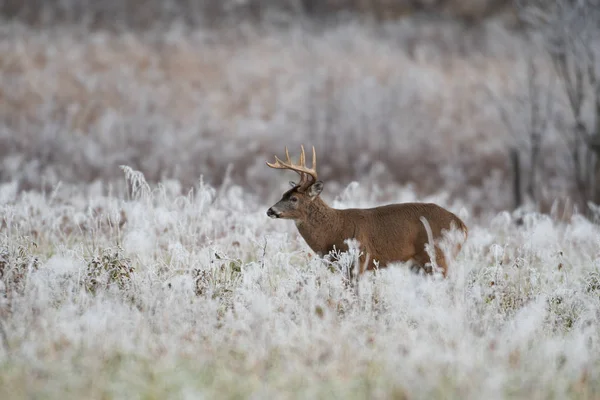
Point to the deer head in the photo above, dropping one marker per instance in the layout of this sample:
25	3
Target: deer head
295	203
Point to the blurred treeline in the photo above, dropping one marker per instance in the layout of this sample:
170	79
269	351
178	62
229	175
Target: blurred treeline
142	14
444	95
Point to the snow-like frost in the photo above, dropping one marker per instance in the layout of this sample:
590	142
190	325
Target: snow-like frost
141	242
62	266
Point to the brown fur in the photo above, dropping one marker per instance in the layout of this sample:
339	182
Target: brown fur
386	234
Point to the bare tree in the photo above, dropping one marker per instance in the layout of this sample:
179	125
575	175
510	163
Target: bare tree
526	115
570	30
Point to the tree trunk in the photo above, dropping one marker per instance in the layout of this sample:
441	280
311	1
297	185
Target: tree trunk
594	145
596	194
516	167
534	155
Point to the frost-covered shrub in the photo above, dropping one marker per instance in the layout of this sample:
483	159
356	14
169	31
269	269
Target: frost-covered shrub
17	260
108	268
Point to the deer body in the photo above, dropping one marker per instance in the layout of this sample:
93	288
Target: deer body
386	234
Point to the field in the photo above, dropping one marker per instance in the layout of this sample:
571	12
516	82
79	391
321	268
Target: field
137	260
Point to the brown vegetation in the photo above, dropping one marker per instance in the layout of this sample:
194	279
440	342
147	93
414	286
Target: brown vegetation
147	13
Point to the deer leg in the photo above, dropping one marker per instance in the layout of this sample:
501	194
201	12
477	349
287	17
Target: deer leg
421	262
350	281
365	262
440	260
416	267
424	262
355	271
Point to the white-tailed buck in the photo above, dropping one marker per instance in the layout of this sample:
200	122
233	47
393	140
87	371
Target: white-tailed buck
386	234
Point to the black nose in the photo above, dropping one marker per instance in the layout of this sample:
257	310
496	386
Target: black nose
270	213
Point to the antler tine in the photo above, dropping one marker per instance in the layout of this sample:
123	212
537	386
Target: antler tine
304	172
279	164
302	157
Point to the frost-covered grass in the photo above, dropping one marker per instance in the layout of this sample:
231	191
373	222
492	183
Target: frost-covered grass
151	294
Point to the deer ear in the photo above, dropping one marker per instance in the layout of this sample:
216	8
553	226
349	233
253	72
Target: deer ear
315	189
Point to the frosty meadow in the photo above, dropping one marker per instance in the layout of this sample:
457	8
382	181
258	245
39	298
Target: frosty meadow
165	279
160	295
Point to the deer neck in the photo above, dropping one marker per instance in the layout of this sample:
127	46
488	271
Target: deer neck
321	226
317	214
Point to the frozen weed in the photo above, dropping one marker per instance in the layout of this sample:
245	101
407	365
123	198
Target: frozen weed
109	268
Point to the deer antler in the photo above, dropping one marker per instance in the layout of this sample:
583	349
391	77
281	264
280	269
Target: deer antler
308	176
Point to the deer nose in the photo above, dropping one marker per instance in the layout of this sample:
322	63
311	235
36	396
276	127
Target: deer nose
271	213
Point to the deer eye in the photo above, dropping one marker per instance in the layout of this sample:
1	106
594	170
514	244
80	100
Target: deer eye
294	199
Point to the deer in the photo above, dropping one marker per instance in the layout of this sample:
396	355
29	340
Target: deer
395	233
